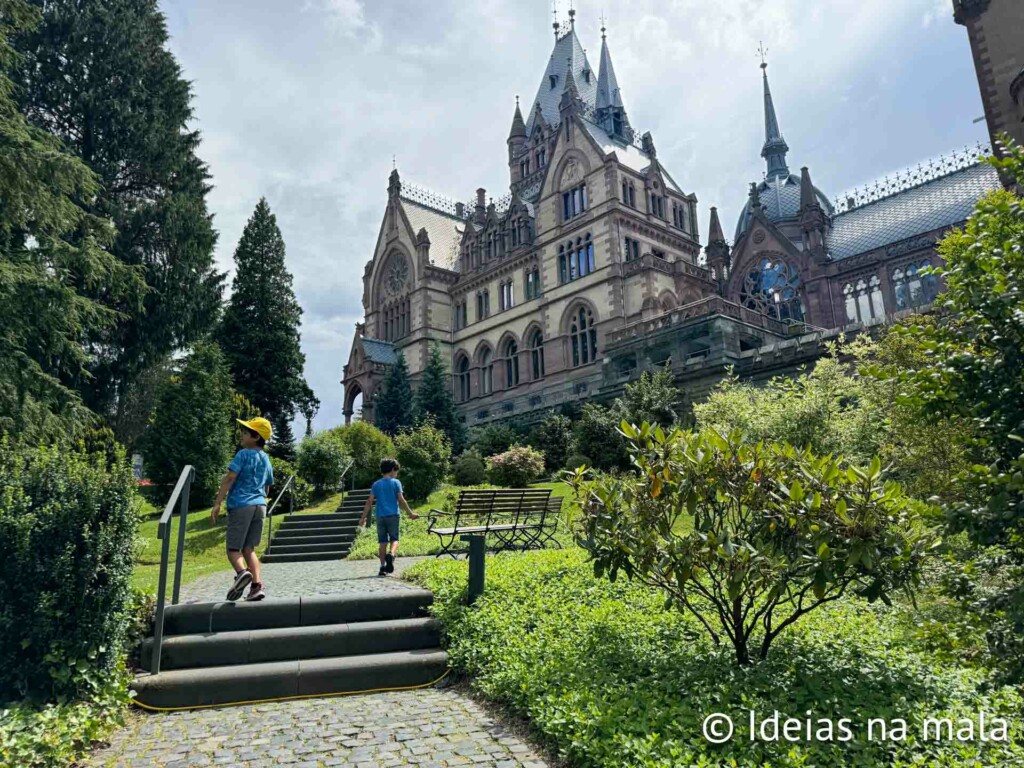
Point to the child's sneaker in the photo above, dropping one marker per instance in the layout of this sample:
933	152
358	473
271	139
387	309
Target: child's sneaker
242	581
383	571
389	563
255	592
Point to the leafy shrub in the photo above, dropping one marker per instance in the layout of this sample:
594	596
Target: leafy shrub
367	445
777	533
322	460
469	470
653	398
597	432
515	468
553	438
67	533
492	439
578	460
425	455
300	492
608	677
192	424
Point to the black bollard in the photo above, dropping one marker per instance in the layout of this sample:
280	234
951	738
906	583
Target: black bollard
476	565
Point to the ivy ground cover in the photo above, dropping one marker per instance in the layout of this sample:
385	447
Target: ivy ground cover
608	677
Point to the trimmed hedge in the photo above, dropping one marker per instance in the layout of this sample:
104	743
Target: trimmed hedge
67	533
469	470
610	678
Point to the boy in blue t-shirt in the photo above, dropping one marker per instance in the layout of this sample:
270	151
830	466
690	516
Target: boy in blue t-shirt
246	486
387	493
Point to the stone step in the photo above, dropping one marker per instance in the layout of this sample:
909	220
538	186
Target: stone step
299	517
233	684
196	618
329	538
300	531
288	547
302	557
290	643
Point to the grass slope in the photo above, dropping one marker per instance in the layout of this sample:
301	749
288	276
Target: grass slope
204	544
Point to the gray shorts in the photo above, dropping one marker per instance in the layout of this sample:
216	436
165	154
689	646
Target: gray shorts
245	526
387	529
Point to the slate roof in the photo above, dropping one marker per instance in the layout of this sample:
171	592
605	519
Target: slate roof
444	231
627	153
939	203
567	48
379	351
781	200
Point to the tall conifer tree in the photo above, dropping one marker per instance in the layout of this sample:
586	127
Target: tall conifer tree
260	330
51	250
393	409
98	76
434	399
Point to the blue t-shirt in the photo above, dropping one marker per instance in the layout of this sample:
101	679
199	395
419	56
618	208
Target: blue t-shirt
254	474
385	492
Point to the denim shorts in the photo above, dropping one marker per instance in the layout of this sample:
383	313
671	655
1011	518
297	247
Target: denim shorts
387	529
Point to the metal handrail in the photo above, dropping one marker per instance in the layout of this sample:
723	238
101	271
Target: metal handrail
179	497
270	511
345	472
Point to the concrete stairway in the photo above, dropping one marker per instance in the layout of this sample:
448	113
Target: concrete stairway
225	653
317	537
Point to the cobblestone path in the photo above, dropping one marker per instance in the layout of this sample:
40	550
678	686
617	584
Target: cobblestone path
326	577
426	728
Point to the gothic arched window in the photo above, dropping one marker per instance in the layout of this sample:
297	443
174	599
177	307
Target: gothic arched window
462	374
537	355
584	337
864	300
486	372
912	288
773	288
511	364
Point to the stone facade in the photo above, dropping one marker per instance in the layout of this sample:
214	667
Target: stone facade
995	29
591	270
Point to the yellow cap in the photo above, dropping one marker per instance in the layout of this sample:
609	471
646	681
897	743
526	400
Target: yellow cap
259	425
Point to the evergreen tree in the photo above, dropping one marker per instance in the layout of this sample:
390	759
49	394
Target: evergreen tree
52	258
393	408
98	76
282	446
434	399
192	424
260	330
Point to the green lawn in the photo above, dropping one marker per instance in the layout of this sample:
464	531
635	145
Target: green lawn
414	536
204	544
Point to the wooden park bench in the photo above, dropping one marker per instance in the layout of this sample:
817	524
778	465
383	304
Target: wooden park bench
515	518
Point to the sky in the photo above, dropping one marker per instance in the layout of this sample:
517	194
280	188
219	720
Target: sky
309	102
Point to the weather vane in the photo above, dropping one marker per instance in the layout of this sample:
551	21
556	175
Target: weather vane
762	52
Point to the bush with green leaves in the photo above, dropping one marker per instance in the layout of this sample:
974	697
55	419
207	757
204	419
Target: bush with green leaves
300	492
578	460
469	469
322	459
653	398
776	534
68	524
367	445
597	432
192	424
608	676
553	438
515	468
493	439
425	455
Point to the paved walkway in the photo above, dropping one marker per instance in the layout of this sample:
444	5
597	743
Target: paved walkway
427	728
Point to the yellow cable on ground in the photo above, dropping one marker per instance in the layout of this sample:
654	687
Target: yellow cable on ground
291	698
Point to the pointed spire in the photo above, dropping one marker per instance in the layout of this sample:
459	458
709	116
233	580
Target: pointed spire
775	147
518	125
807	196
607	84
715	233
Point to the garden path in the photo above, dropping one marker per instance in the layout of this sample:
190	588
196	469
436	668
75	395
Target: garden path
428	728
